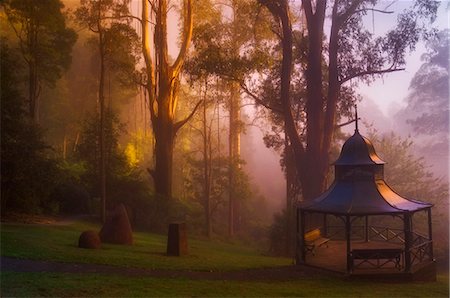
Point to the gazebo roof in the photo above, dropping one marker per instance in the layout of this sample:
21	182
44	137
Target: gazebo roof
360	188
358	150
362	198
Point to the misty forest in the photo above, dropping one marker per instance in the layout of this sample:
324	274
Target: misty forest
223	115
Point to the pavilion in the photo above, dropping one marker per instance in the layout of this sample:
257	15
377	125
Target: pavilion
360	226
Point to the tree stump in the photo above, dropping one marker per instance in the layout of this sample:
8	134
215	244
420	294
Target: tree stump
177	240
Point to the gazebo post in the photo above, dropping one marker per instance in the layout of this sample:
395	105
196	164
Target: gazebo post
325	228
302	236
407	228
348	237
430	233
366	226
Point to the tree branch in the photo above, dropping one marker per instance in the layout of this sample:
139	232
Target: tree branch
180	124
258	100
126	17
369	72
350	11
147	55
188	27
374	10
345	123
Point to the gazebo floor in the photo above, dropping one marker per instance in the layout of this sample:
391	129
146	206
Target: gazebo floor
333	258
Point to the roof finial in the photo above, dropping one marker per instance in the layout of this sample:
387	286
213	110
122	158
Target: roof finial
356	117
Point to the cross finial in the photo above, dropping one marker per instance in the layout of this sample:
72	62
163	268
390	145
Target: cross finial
356	117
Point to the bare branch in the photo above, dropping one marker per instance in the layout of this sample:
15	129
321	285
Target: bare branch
127	17
180	124
345	123
258	100
369	72
374	10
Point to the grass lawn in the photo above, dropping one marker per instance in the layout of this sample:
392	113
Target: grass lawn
50	284
59	243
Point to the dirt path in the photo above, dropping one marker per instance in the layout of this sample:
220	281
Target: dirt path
274	274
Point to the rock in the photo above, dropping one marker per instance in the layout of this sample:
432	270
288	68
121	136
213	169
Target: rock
177	240
117	228
89	239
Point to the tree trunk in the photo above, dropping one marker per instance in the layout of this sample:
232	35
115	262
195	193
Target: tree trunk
313	182
206	173
101	97
33	74
164	143
234	156
162	88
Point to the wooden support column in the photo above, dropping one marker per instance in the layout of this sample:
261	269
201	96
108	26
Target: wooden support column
408	240
348	233
430	233
297	237
366	228
302	236
325	227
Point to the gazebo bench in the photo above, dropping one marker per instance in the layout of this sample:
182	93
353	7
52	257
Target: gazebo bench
387	254
314	239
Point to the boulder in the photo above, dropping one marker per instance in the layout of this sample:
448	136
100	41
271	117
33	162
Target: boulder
117	227
89	239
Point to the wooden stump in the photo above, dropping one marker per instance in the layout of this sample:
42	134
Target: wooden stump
177	240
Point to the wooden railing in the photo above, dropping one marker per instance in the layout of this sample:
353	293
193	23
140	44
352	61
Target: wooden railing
421	249
386	234
375	233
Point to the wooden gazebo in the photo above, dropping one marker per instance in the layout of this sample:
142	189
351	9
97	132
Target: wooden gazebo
363	216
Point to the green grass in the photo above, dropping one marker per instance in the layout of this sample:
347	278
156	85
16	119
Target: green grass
59	243
69	285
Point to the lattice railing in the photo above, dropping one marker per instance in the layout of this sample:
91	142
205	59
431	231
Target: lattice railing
421	249
386	234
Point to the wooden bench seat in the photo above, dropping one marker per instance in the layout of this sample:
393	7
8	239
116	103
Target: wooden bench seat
314	239
381	255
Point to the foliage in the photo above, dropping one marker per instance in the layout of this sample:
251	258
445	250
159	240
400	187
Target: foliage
218	184
428	97
28	173
45	22
120	43
123	180
45	42
277	234
224	46
427	112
